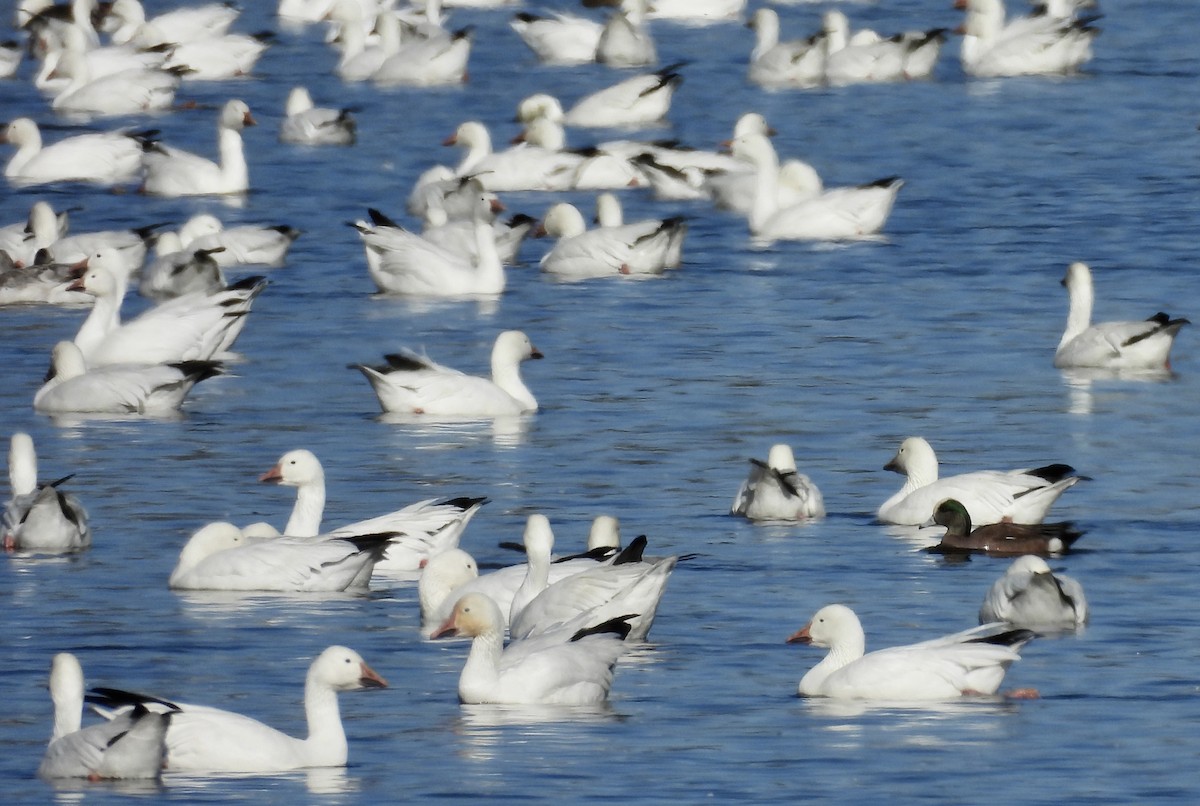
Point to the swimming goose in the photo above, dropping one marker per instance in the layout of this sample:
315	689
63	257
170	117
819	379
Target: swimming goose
625	39
358	59
559	39
121	388
11	54
205	739
104	158
42	282
40	517
98	61
969	663
524	166
129	92
214	58
588	168
839	214
1002	539
174	172
991	496
413	384
1026	46
184	24
130	746
176	271
867	57
430	62
263	245
791	63
775	491
1031	595
638	101
459	235
548	669
307	124
1120	345
696	12
631	249
127	248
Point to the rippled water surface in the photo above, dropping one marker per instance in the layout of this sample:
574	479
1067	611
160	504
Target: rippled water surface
654	395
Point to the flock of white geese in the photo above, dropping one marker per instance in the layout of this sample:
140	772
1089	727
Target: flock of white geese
568	619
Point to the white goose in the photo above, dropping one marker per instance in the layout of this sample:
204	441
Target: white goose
1031	595
11	54
129	92
559	39
403	262
105	158
791	63
122	388
214	58
41	282
435	61
631	249
969	663
127	247
839	214
638	101
307	124
413	384
40	517
176	271
775	491
625	40
99	61
697	12
868	57
594	168
265	245
549	669
360	60
184	24
524	166
130	746
1027	46
421	530
205	739
611	216
1121	345
990	496
174	172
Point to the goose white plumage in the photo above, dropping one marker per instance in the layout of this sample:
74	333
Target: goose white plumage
1041	45
130	746
305	123
595	168
264	245
560	39
990	496
611	216
359	60
438	60
637	101
1121	345
176	271
789	63
969	663
47	230
775	491
525	166
214	58
413	384
625	39
105	158
549	669
175	172
122	388
205	739
868	57
40	517
1030	595
696	11
184	24
45	282
630	249
128	92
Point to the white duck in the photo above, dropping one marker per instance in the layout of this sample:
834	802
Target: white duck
969	663
559	39
548	669
175	172
642	100
264	245
205	739
790	63
421	530
307	124
404	262
630	249
130	746
129	92
40	517
219	557
990	496
105	158
413	384
775	491
139	388
1121	345
1040	45
1031	595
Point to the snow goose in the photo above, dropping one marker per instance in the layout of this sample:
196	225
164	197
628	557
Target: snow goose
991	496
130	746
436	61
459	235
969	663
792	63
544	670
105	158
264	245
845	213
1043	45
631	249
174	172
638	101
307	124
185	24
775	491
205	739
1030	595
129	92
11	54
413	384
176	271
862	58
611	216
219	557
44	281
525	166
194	326
559	39
625	39
696	11
122	388
99	61
1002	539
403	262
40	517
588	168
1119	345
215	58
422	529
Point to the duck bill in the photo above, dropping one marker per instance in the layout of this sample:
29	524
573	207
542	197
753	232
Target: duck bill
447	629
274	474
801	636
368	678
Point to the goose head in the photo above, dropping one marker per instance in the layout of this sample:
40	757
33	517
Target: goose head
295	469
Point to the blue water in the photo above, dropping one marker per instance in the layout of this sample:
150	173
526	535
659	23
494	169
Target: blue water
654	395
